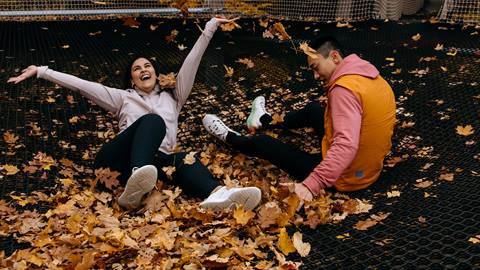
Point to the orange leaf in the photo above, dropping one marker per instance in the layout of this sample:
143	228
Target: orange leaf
130	21
465	130
242	216
10	138
10	169
167	81
308	51
284	243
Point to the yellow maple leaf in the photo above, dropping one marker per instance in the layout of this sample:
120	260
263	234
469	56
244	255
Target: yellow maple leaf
439	47
416	37
10	169
474	240
189	158
284	243
465	130
242	216
302	248
393	193
452	52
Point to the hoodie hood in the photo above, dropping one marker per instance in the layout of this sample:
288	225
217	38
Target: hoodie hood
354	65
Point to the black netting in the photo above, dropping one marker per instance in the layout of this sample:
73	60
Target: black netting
437	102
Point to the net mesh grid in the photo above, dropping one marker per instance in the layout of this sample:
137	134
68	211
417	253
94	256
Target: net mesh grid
452	216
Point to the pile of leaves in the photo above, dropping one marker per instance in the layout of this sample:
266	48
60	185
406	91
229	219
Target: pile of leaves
86	228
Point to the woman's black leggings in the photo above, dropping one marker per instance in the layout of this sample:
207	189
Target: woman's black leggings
138	145
299	164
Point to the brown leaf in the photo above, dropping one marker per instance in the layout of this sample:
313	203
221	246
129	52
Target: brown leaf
88	261
364	225
10	138
424	184
268	214
131	22
280	32
446	176
107	177
172	36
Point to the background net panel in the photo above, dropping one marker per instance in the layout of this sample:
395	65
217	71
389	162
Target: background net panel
310	10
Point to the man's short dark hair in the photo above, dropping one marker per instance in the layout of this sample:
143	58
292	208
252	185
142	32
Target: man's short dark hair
325	44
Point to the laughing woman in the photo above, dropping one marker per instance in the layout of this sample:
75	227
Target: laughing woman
148	122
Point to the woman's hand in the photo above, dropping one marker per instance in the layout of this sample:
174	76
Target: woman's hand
26	73
222	19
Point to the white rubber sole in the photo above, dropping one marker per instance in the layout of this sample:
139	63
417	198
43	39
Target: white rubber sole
249	197
141	182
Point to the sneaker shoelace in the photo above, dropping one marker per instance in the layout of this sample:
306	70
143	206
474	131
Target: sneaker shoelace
216	126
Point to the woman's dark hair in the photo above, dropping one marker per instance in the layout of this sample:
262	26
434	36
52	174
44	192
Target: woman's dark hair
325	44
127	77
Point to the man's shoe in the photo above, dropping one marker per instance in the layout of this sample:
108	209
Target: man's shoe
216	127
224	198
141	182
257	111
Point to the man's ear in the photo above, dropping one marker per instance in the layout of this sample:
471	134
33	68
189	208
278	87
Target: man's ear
335	55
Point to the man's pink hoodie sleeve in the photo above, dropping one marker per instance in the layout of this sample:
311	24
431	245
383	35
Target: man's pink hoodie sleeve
346	112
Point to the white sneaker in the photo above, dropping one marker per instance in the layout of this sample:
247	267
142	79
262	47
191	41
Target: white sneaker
141	182
216	127
225	198
258	109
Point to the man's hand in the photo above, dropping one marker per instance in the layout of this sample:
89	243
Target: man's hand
302	192
26	73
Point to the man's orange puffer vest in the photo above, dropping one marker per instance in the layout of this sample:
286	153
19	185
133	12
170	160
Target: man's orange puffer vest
378	120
